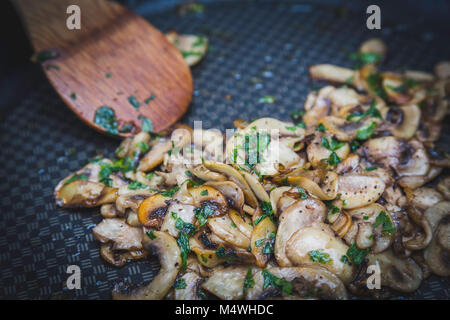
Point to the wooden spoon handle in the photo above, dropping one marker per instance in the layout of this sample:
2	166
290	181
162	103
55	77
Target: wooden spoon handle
46	20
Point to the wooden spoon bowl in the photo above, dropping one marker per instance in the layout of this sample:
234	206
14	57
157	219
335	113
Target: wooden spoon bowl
117	59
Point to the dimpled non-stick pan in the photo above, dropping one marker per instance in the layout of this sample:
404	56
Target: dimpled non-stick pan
257	49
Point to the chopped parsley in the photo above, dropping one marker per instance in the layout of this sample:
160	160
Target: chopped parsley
170	193
152	97
273	281
344	259
319	256
302	192
204	192
143	147
186	227
225	254
267	99
202	214
367	131
52	66
105	117
73	96
108	75
371	112
134	185
147	124
384	220
151	235
266	207
357	255
133	101
332	145
76	177
268	248
249	282
354	145
363	58
321	128
374	82
371	168
44	55
183	243
179	284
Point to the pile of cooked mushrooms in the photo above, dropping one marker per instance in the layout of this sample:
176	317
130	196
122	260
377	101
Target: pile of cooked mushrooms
289	210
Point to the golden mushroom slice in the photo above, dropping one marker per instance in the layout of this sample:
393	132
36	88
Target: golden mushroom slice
152	210
119	258
175	211
277	193
403	275
331	73
320	149
326	191
232	192
131	199
236	177
262	241
245	227
346	130
156	155
394	87
190	291
359	190
307	282
415	162
84	193
168	253
403	121
256	186
124	236
192	47
225	229
317	245
267	124
374	228
211	197
317	106
203	173
227	283
300	214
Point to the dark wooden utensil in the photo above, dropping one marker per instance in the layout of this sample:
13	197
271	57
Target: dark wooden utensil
117	59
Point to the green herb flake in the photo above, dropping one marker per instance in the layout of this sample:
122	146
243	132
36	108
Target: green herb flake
76	177
44	55
267	99
186	227
344	259
147	124
179	284
367	131
134	185
384	219
357	255
183	243
266	207
321	128
105	117
52	66
268	248
302	192
371	168
108	75
73	96
249	282
151	235
202	214
204	192
170	193
133	101
152	97
354	145
273	281
143	147
319	256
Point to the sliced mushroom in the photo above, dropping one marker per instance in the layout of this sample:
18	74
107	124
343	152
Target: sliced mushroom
256	186
423	198
232	192
244	225
320	238
415	162
300	214
118	231
317	152
345	130
359	190
177	210
415	181
403	121
156	155
207	175
83	193
327	191
399	274
437	258
227	283
261	241
374	45
206	195
307	282
190	292
130	199
444	187
442	70
168	253
436	213
152	210
236	177
224	229
331	73
317	106
119	258
192	47
109	210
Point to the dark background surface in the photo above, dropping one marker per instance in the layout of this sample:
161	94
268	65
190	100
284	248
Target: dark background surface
258	48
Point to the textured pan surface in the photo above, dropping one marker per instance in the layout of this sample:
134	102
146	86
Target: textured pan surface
257	49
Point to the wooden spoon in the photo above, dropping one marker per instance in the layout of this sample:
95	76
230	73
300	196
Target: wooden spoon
117	59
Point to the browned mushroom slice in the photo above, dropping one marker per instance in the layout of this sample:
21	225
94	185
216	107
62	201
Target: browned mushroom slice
236	177
207	175
428	131
177	210
242	223
262	241
83	193
436	213
118	231
119	258
152	210
444	187
342	224
331	73
109	210
168	253
359	190
300	214
385	151
256	186
190	291
423	198
224	228
317	106
416	181
317	245
131	199
437	258
415	161
394	87
345	130
206	195
403	275
156	155
403	121
227	283
232	192
308	282
317	152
